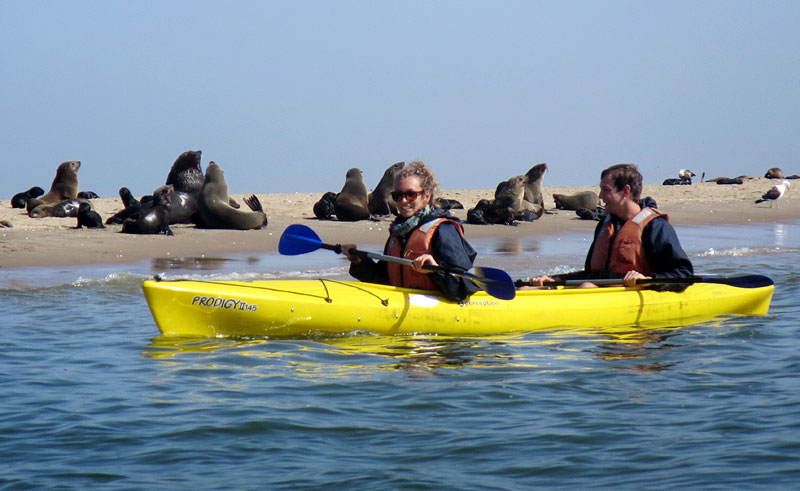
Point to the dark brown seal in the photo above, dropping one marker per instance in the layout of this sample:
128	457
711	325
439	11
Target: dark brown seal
352	203
379	200
155	220
774	173
323	209
186	177
88	218
214	207
20	200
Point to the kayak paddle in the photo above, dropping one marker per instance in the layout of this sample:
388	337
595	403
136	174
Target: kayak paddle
744	281
300	239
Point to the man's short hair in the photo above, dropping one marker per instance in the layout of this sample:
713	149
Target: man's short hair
622	174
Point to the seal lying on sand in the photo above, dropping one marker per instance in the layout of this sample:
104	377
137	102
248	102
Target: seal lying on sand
596	214
774	173
447	204
155	220
88	218
323	209
583	199
215	211
352	202
727	180
20	200
65	185
60	209
379	202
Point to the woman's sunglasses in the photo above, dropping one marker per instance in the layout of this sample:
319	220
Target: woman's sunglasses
409	195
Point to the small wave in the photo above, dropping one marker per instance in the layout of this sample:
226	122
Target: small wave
747	251
258	276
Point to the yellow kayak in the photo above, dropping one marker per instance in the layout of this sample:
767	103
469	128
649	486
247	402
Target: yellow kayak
293	308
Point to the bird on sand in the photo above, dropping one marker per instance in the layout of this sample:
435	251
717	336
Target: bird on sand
774	193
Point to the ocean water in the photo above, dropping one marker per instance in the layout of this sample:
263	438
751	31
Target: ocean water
93	398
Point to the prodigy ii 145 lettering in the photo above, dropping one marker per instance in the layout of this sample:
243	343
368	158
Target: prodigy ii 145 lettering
223	303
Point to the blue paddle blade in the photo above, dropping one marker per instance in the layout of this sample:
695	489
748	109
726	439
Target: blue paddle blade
495	282
298	239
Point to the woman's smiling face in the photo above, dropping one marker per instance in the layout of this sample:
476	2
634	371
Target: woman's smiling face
412	197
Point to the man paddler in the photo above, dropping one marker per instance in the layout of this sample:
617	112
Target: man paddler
634	240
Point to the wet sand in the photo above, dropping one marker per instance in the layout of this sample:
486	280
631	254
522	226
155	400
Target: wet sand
51	242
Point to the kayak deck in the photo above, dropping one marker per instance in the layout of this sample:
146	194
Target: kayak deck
291	308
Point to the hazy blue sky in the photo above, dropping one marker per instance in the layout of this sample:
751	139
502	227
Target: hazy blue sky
286	96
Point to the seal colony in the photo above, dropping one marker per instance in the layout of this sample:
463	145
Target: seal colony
515	199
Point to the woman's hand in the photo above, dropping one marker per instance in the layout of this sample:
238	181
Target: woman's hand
421	261
346	250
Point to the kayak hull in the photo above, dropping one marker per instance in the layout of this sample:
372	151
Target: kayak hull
292	308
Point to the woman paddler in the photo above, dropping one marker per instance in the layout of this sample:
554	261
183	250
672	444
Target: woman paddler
424	234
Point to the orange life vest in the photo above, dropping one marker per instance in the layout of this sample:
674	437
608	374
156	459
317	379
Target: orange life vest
627	253
419	243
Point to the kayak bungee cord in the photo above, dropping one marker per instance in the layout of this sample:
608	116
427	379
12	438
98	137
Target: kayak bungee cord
326	297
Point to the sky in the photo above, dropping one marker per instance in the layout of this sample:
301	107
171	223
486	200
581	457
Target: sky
287	96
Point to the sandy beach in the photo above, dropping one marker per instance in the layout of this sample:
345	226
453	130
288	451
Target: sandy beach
56	242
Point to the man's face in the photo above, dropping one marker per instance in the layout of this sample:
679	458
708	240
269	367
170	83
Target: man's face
613	199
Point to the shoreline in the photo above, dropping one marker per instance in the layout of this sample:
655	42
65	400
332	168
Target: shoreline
53	242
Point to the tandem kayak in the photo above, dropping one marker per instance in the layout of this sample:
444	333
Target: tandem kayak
294	308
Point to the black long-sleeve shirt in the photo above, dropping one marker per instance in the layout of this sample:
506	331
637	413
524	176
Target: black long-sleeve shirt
448	248
661	246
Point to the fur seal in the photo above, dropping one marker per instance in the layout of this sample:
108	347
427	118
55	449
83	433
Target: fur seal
131	204
215	210
583	199
65	185
505	208
186	177
774	173
676	182
489	212
477	215
533	199
352	203
155	220
595	214
88	218
323	209
447	204
727	180
88	195
20	200
59	209
514	190
379	202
